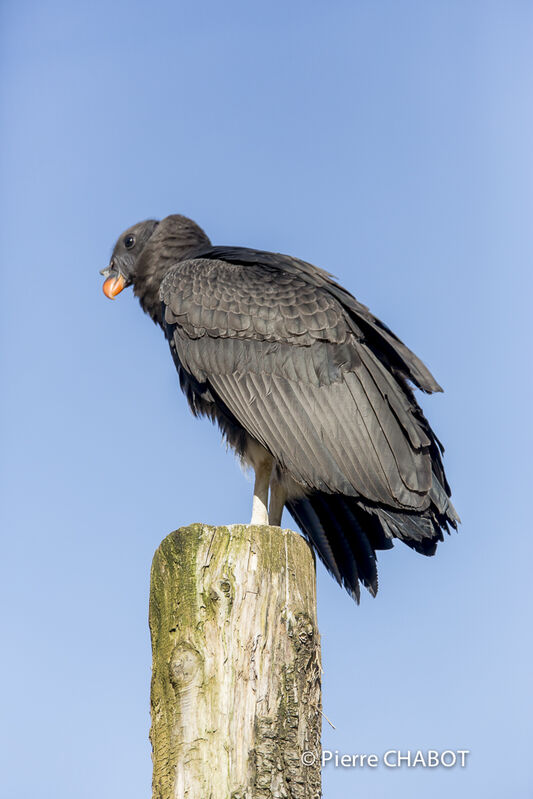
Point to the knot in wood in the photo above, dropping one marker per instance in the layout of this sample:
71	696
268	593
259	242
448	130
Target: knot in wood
185	664
302	632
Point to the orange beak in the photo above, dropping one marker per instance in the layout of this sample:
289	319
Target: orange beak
113	286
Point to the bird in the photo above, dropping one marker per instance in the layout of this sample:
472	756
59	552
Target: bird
308	388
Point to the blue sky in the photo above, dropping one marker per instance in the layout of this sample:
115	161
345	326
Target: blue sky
388	142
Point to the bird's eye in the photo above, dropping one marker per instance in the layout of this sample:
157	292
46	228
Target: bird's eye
129	242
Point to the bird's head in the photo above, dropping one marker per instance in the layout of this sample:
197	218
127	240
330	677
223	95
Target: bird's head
122	267
145	252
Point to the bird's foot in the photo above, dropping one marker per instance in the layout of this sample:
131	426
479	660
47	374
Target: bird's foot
259	513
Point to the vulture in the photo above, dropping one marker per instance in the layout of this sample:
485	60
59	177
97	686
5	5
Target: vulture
307	386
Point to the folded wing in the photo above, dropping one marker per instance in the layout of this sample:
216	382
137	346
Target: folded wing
283	354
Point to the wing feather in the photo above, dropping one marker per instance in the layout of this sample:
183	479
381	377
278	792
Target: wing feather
360	318
283	358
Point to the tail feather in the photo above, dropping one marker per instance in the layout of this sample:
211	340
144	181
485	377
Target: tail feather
304	515
332	523
363	551
347	531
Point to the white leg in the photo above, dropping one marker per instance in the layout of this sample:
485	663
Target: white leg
263	471
278	495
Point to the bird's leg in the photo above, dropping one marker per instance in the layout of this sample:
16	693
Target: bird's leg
278	495
263	470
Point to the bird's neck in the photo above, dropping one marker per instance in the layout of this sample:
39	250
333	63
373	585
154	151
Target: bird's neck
146	288
162	252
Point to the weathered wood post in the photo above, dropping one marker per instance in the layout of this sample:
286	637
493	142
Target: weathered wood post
236	665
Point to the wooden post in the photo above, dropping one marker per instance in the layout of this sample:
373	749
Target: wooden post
236	665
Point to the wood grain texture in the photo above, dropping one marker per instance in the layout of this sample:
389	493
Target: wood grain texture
236	665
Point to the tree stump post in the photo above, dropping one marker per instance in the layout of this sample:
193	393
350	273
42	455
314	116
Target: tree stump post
235	695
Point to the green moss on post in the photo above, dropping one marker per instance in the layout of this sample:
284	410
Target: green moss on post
236	665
